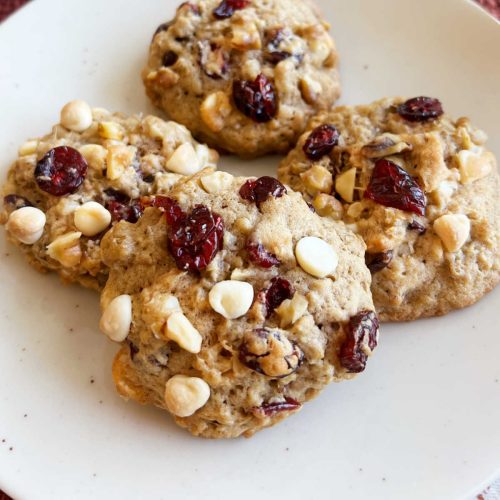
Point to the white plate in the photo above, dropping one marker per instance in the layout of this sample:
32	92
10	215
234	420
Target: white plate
423	421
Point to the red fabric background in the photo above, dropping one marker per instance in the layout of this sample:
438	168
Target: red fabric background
9	6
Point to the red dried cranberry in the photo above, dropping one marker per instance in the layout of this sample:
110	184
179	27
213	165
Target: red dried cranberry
414	225
260	256
375	262
273	39
228	7
169	58
259	190
256	99
279	290
420	109
195	238
61	171
173	212
276	56
321	142
392	186
130	212
14	202
362	331
272	409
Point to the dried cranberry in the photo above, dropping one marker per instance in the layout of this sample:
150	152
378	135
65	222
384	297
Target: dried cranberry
61	171
14	202
260	256
259	190
256	99
130	212
270	353
276	56
169	58
392	186
375	262
195	238
279	290
414	225
228	7
273	39
420	109
321	142
213	59
150	178
173	212
272	409
362	331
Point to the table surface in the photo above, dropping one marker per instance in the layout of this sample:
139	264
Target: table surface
7	7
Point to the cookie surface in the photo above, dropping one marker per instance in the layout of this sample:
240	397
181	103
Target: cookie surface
68	188
249	73
279	307
422	191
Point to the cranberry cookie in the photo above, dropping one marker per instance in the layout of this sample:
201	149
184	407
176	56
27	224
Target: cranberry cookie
69	187
235	304
422	191
249	73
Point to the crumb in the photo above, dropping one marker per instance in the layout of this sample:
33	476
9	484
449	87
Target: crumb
77	306
365	66
7	254
287	449
25	415
94	474
71	329
360	469
3	440
92	380
383	479
100	401
11	448
23	349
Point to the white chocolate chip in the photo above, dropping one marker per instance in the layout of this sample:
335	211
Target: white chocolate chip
214	110
118	160
76	116
317	180
95	155
66	249
206	157
291	310
157	310
184	160
316	257
344	184
184	395
26	224
453	229
216	182
117	318
91	218
182	332
231	299
110	130
474	165
28	148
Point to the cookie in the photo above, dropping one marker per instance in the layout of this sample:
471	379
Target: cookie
422	191
68	188
249	73
235	304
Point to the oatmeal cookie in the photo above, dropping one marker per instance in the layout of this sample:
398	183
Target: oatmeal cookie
422	191
69	187
249	73
235	304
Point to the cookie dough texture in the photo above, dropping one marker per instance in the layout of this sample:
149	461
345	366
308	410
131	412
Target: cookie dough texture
197	57
306	331
127	156
436	266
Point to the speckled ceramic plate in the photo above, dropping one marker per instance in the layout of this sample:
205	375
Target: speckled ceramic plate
423	421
